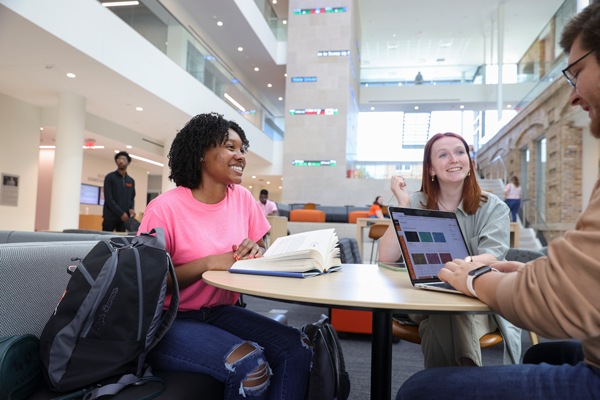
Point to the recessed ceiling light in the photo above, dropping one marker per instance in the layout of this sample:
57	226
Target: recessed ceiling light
274	1
129	146
256	69
462	106
285	74
71	75
416	107
284	22
41	128
253	176
219	23
269	85
281	98
508	106
139	108
372	108
121	3
240	48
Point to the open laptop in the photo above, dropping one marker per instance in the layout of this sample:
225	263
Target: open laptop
428	239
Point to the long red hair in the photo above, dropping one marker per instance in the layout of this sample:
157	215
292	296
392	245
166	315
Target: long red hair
471	195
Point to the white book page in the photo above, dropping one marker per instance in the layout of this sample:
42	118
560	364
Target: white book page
318	240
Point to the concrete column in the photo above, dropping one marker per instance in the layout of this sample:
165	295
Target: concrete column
500	99
68	162
328	130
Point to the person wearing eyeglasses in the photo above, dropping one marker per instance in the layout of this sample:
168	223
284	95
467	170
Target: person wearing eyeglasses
555	296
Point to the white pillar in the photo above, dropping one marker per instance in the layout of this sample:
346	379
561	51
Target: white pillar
500	99
166	183
68	163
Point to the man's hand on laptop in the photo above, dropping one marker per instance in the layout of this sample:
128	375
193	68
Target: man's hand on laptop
456	272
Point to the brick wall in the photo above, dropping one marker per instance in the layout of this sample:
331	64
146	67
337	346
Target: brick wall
551	117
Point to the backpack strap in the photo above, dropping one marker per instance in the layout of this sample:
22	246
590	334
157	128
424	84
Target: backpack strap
169	315
114	388
158	241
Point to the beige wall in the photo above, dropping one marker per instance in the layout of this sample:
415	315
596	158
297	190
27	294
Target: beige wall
20	156
19	140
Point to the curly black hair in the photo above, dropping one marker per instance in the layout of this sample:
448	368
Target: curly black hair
201	133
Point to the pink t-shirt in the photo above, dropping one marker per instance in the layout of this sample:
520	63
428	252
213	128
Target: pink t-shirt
194	230
267	208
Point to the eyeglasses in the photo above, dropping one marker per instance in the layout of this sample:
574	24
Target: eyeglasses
572	79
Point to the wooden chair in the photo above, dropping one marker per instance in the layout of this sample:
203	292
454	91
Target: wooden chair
410	333
310	206
301	215
375	232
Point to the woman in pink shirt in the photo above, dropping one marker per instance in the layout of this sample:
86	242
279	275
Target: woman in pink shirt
512	197
210	221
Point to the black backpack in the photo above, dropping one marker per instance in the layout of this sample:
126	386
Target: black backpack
328	376
110	316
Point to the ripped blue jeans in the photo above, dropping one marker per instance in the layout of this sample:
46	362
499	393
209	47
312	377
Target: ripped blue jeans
237	347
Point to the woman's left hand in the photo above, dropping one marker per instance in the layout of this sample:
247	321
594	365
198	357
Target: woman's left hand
247	249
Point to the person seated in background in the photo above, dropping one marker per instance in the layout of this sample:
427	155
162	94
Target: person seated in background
375	210
210	220
449	184
267	206
555	295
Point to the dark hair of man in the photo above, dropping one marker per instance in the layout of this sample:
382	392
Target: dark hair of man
264	192
123	154
471	195
587	24
201	133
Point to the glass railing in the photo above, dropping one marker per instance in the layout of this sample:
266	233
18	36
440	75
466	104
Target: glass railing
278	26
184	46
453	75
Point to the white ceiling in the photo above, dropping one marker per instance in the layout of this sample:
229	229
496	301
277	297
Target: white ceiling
396	34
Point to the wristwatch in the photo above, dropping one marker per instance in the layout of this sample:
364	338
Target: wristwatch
476	273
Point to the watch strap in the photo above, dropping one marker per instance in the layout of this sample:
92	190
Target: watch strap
471	279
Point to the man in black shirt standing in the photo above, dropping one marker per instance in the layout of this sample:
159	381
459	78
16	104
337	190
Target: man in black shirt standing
119	195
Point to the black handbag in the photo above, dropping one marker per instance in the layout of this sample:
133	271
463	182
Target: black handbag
20	367
328	379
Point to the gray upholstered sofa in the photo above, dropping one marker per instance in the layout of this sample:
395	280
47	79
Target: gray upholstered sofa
33	276
7	236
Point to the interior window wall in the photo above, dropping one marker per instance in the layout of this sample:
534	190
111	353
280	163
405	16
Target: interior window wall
540	179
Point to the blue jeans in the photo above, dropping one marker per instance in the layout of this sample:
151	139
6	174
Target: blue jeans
204	342
514	382
514	205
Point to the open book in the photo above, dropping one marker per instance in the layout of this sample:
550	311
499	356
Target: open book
300	256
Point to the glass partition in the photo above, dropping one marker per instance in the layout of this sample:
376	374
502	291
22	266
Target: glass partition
152	21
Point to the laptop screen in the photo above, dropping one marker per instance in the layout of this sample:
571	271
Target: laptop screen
428	239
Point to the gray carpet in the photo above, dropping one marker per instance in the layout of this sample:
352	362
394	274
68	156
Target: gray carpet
407	357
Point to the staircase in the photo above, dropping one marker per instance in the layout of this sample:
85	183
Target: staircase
527	237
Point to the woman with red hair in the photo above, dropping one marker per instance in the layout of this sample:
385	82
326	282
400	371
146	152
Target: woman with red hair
449	183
